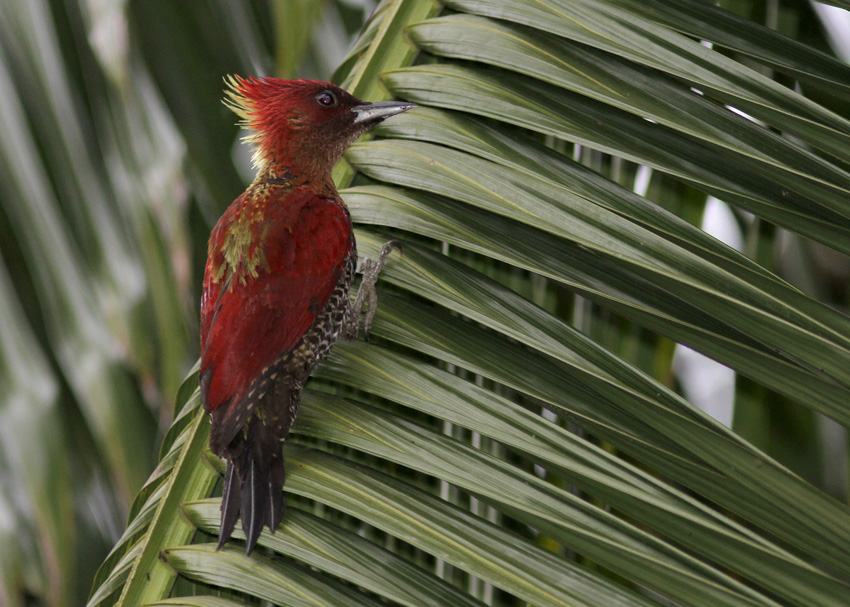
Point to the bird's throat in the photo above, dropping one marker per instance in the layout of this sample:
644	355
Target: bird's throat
276	174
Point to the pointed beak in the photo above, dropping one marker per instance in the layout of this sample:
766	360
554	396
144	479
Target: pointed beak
380	110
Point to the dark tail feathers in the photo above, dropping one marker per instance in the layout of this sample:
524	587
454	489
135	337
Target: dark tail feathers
253	485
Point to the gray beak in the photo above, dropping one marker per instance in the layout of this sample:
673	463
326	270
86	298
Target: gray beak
378	111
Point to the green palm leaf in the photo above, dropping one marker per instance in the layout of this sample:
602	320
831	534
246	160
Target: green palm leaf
511	199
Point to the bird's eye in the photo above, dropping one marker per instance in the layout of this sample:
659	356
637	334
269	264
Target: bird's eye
326	99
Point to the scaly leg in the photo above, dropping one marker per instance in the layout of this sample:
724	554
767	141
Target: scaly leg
367	294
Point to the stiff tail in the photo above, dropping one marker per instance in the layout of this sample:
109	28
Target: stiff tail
253	485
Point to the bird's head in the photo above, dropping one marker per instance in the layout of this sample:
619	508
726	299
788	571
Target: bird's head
302	126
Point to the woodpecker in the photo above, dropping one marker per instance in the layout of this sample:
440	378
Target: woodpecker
280	263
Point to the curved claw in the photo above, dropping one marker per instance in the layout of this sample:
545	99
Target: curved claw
367	294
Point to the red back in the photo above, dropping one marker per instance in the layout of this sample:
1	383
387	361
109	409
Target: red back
274	259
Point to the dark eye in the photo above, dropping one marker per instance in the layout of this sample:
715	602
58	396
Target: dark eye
326	99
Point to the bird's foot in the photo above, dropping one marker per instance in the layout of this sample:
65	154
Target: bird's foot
367	295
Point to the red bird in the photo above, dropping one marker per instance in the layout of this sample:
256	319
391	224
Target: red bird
276	289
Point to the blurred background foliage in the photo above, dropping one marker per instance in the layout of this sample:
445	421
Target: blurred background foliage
117	157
